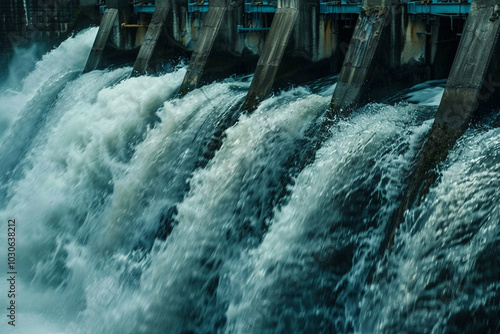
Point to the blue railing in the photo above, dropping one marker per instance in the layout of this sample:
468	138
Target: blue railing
340	7
149	8
242	29
431	7
198	6
253	6
193	6
434	7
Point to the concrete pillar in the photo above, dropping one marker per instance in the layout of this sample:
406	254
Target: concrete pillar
370	27
269	61
162	8
461	99
414	50
208	33
304	39
121	39
108	21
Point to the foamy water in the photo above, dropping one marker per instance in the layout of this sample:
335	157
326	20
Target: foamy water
141	212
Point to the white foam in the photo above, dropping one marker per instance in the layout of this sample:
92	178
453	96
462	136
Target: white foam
70	56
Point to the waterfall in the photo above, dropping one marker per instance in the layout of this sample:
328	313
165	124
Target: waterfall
70	56
139	211
328	231
444	272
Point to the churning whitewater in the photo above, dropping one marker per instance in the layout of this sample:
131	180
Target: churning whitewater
138	211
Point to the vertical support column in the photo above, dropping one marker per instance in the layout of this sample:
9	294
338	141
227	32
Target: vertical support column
108	21
370	27
396	36
162	8
208	33
461	99
276	42
121	39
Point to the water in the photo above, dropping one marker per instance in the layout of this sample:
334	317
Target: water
444	274
141	212
19	89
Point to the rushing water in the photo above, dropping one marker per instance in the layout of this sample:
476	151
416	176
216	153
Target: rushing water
141	212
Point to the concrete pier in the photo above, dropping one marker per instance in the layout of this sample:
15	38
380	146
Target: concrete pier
270	59
108	21
370	27
208	34
461	99
153	33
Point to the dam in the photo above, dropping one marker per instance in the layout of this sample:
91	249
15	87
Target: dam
242	166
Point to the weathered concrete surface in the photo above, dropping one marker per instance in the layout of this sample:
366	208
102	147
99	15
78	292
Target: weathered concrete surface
269	61
208	33
415	45
122	39
151	38
108	20
327	40
309	40
312	38
358	61
461	99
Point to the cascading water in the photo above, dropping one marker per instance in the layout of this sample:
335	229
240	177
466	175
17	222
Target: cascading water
139	212
444	273
17	92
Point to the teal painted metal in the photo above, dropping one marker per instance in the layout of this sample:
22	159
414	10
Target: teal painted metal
252	6
241	29
150	9
435	7
340	7
198	6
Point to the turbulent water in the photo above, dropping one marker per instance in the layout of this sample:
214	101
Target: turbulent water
141	212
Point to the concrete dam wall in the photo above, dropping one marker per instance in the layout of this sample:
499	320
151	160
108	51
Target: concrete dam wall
321	33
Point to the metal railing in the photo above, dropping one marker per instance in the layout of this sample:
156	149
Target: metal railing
197	6
340	7
435	7
425	7
252	6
